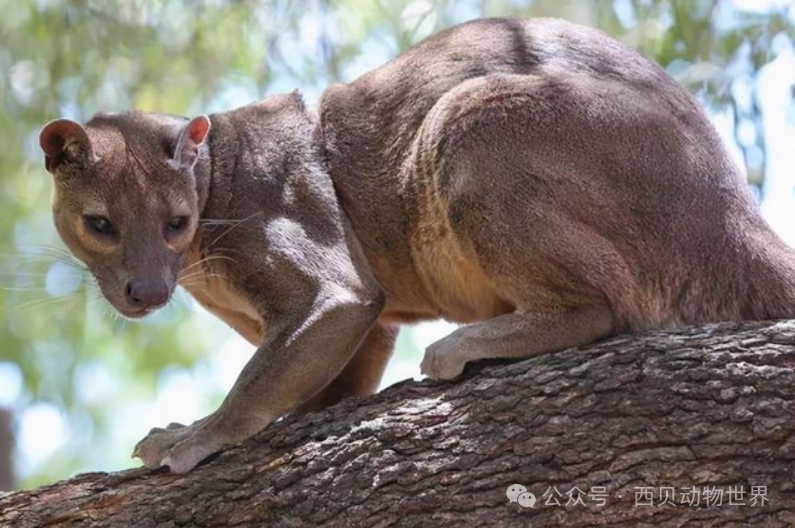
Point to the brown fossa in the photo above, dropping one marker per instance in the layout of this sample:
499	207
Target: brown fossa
533	178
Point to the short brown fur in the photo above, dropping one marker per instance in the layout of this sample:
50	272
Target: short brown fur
535	179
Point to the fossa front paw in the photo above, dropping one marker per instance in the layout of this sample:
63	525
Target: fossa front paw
179	447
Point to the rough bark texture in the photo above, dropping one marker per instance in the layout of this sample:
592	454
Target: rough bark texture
6	449
708	407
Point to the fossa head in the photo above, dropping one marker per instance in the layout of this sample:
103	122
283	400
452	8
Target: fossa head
125	200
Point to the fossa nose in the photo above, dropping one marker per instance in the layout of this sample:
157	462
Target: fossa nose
148	292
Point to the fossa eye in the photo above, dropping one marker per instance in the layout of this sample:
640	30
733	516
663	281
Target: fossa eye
177	224
100	225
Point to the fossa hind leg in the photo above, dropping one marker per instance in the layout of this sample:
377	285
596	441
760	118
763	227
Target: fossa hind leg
557	305
516	335
527	210
550	267
362	374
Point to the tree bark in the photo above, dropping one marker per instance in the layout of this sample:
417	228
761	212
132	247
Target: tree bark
6	450
703	408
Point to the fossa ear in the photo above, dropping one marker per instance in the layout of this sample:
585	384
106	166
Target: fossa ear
190	141
64	141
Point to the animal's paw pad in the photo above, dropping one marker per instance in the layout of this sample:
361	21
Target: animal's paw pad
442	361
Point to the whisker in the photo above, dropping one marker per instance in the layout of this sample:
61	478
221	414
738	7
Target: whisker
24	288
200	273
60	251
198	282
219	221
205	260
40	303
43	256
241	222
48	248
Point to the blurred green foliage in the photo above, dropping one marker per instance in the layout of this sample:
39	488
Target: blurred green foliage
73	58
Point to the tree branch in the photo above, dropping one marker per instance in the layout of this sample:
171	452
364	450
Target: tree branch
6	450
705	407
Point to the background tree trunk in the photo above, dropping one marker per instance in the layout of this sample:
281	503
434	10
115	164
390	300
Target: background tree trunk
6	450
706	408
